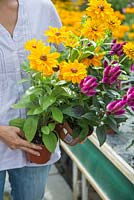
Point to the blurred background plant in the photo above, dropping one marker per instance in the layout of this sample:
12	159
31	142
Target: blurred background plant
72	11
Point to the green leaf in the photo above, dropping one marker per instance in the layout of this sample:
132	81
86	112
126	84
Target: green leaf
23	103
57	114
47	101
50	141
45	130
59	91
111	122
70	112
84	133
120	119
51	126
18	122
33	90
74	54
35	110
30	127
25	66
86	54
62	82
132	143
101	134
92	119
23	80
113	93
69	92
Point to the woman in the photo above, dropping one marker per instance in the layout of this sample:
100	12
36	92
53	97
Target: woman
20	20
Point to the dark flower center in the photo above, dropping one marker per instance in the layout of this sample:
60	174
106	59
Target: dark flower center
34	46
56	69
74	70
101	7
91	56
94	28
43	57
57	34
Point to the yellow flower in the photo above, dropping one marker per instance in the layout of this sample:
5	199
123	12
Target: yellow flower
113	23
71	40
43	61
99	9
131	35
120	33
119	15
128	49
94	60
93	30
132	26
56	35
33	45
129	10
73	72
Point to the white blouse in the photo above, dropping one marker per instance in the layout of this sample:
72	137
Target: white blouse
34	17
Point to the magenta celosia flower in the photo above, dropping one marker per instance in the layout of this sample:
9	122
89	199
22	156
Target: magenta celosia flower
129	98
117	48
130	90
116	107
111	74
88	85
132	68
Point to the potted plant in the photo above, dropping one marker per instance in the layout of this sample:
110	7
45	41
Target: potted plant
79	89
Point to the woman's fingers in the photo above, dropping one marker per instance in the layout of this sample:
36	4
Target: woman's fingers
24	143
28	150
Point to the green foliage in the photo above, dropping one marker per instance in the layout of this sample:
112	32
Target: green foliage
119	5
101	134
18	122
50	141
30	127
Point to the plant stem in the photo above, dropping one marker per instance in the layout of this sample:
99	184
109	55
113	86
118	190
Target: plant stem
123	59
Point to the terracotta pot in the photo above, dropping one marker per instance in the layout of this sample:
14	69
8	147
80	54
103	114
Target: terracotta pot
65	133
44	157
110	131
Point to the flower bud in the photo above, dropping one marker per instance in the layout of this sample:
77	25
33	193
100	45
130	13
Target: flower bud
116	107
105	63
130	90
132	68
130	99
88	85
107	71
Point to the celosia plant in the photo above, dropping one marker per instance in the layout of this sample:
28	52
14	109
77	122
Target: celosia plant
81	84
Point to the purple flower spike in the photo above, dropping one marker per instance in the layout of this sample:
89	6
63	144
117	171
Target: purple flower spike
132	68
105	63
132	108
113	42
91	92
111	74
116	107
111	105
88	85
119	105
117	48
120	112
114	70
107	71
130	99
130	90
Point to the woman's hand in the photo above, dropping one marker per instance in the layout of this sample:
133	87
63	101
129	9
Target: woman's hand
13	137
